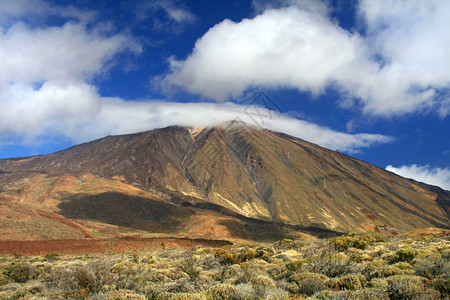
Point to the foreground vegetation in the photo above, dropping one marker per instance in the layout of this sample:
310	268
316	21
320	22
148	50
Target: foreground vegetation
347	267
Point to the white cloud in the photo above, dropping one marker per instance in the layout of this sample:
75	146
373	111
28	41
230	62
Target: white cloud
46	91
80	114
426	174
45	70
284	47
58	54
411	37
176	13
298	47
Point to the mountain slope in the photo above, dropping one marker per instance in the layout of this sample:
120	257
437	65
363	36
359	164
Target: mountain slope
236	171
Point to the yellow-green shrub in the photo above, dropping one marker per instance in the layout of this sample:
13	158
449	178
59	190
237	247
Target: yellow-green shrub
356	241
309	283
348	282
408	287
294	265
405	254
264	281
221	291
228	256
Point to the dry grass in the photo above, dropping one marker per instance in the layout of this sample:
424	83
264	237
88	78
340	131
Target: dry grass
349	267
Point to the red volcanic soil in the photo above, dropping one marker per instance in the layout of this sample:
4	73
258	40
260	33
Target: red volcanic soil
98	246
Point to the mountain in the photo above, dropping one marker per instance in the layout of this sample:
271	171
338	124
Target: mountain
229	182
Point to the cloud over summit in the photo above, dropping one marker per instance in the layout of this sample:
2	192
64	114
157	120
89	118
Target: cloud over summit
399	66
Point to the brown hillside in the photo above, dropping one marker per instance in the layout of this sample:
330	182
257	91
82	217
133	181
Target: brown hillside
225	182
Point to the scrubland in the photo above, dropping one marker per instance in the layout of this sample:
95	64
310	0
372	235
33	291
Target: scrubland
347	267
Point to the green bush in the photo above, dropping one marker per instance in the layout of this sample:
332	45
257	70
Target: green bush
228	256
348	282
222	291
3	279
378	283
294	265
263	281
409	287
266	272
356	241
366	294
382	271
176	296
119	295
309	283
330	264
405	254
277	272
431	266
285	244
441	284
20	272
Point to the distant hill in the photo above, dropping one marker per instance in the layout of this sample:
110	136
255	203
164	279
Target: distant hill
228	182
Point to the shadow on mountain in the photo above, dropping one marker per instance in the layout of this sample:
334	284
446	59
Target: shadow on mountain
265	231
123	210
156	216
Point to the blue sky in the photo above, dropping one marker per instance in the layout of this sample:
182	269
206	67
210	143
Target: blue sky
368	78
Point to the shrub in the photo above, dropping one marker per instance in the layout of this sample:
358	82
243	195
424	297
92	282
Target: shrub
248	272
51	256
20	272
405	254
285	244
3	279
348	282
441	284
276	294
294	265
222	291
263	281
359	242
228	256
178	296
309	283
227	272
246	291
408	287
330	264
278	272
367	294
381	270
190	267
261	284
90	278
430	266
378	283
225	256
118	295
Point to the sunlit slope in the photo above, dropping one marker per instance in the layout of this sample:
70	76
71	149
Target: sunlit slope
254	173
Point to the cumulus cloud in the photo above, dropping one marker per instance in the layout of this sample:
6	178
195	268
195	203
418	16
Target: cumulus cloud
45	71
426	174
397	67
58	54
46	90
60	113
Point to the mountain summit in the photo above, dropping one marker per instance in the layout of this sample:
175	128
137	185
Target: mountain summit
227	181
